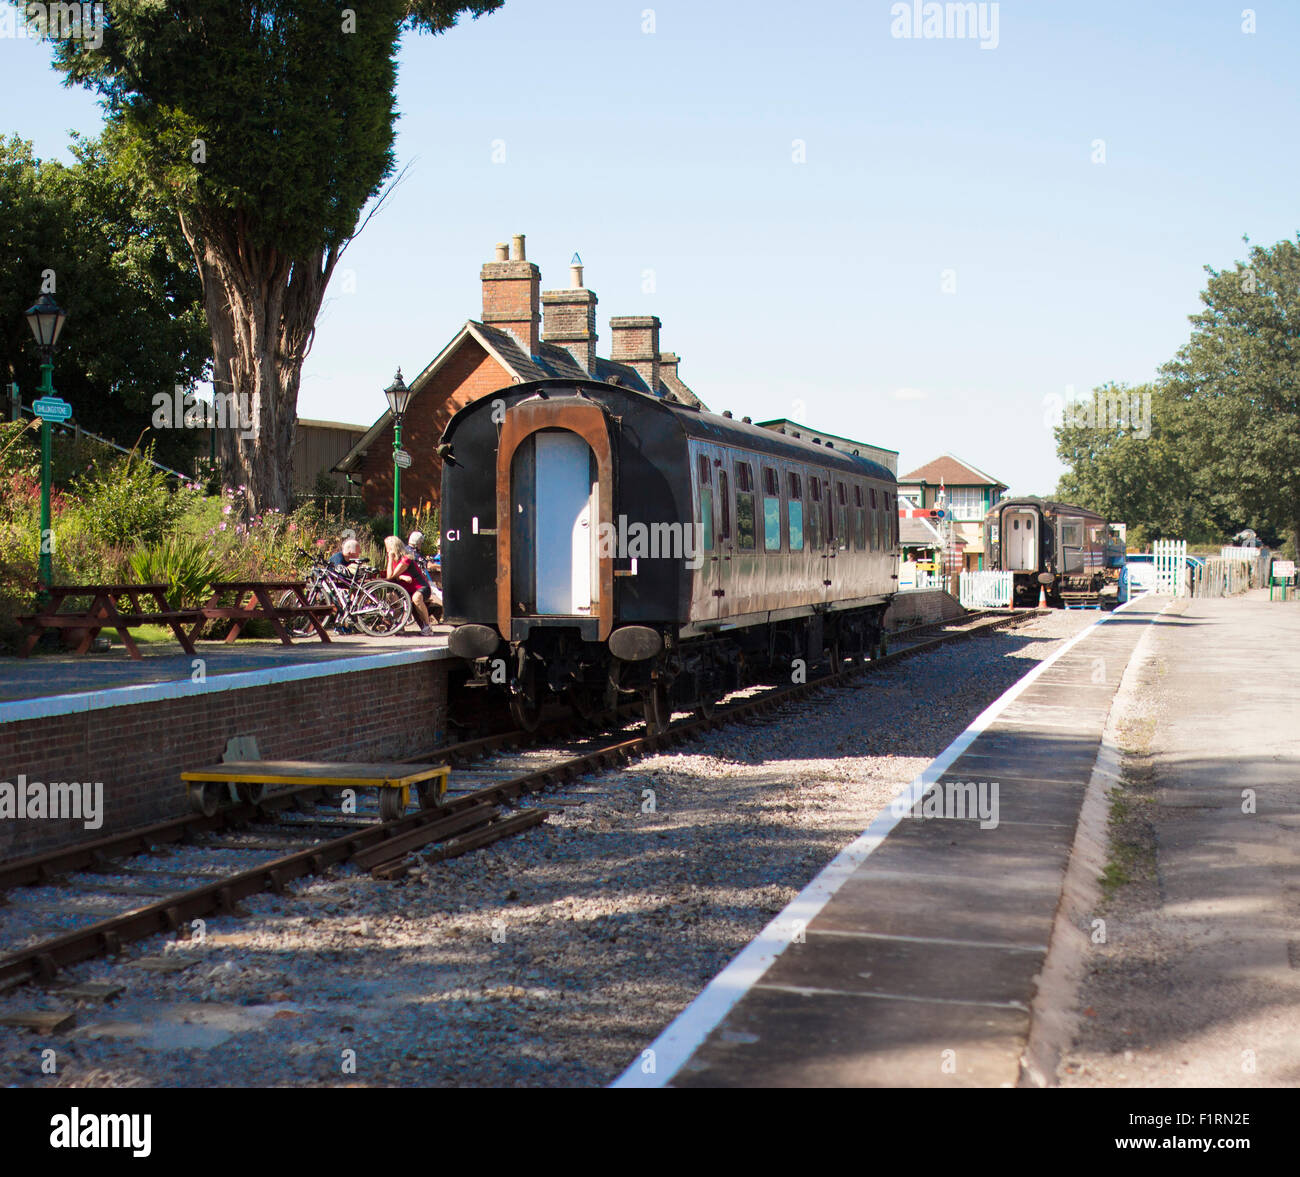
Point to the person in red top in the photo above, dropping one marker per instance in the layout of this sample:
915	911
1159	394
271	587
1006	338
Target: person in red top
402	570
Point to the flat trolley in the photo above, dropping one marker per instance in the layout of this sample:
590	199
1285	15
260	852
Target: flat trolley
207	787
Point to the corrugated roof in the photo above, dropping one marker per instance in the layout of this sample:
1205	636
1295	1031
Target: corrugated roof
915	533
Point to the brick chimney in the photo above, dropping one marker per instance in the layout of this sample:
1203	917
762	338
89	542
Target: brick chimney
668	361
510	294
636	343
569	319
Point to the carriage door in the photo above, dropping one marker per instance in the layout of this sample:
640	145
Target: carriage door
1020	541
565	550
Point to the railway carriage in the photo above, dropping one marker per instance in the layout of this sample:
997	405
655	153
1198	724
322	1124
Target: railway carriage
1069	553
601	543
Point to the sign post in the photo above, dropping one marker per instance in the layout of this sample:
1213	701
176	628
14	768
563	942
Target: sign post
48	408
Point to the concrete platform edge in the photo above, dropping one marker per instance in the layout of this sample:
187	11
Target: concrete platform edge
1053	1014
53	705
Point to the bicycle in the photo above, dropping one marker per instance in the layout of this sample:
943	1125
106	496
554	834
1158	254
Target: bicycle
379	608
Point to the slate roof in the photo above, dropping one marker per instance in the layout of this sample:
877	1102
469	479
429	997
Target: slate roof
951	471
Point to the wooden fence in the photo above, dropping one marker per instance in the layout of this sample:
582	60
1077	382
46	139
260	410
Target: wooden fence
1233	572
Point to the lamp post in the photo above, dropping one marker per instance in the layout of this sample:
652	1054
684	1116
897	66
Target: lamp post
46	320
399	396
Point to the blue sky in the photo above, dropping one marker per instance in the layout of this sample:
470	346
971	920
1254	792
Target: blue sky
815	288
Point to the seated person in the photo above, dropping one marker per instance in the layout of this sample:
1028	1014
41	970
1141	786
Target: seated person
402	569
432	574
349	552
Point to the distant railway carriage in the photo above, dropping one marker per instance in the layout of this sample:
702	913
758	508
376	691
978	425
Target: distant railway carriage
600	543
1068	552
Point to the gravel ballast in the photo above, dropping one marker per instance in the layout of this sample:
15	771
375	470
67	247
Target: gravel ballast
548	959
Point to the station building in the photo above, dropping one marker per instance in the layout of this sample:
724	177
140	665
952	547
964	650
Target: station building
524	334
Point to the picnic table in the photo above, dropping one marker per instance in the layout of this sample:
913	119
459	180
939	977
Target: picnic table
107	611
253	602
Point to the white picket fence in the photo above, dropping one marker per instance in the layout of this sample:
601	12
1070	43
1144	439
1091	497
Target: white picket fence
1171	567
986	590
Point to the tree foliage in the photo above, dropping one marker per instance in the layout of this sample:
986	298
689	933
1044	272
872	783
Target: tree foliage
269	126
1222	450
120	267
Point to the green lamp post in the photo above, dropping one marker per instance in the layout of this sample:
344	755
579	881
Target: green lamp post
46	320
399	396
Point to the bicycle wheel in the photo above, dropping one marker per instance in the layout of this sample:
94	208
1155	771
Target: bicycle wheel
381	608
299	625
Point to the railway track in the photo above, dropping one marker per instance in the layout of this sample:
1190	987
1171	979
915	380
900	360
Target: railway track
288	835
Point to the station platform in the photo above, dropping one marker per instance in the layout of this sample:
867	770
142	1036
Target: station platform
912	959
46	675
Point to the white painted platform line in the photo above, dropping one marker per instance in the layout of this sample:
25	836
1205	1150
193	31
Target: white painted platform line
659	1062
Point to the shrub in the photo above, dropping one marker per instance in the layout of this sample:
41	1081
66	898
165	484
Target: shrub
126	501
185	563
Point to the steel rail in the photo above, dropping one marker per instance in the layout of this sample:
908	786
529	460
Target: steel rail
467	821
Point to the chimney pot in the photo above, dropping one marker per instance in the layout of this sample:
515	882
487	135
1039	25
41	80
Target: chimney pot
503	252
517	251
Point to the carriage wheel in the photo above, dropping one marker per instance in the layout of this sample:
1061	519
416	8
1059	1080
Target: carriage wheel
250	794
526	713
658	711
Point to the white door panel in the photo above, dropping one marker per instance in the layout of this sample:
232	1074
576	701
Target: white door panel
565	547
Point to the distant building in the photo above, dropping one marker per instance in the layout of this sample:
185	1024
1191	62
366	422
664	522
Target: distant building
319	446
886	458
525	334
968	494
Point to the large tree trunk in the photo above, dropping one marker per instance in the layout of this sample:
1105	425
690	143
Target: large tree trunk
261	307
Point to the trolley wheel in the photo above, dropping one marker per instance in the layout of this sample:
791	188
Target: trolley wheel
250	794
206	796
428	793
706	706
391	805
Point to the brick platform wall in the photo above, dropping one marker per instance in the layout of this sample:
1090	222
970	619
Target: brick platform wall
139	749
922	607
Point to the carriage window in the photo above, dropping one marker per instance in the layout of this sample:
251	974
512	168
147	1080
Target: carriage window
771	510
795	489
842	515
724	497
860	520
1072	533
706	504
815	513
744	506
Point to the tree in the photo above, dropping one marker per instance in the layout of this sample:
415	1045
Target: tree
1125	452
1220	449
1239	377
268	126
97	238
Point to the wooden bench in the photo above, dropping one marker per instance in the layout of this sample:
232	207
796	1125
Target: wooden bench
253	602
106	611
